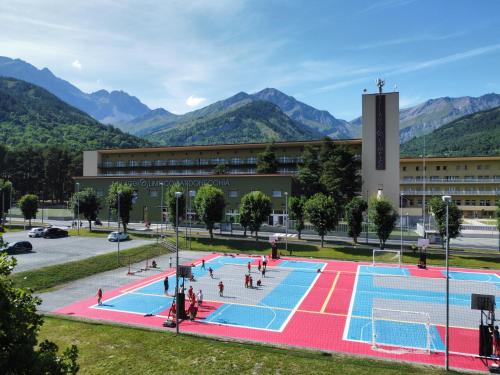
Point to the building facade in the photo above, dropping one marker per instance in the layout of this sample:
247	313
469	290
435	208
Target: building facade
473	182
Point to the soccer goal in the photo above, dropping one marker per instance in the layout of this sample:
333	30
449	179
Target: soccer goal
386	255
400	331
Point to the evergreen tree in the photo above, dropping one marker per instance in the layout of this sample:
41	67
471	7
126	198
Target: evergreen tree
5	194
354	217
383	218
438	208
209	204
310	172
297	212
171	202
126	200
321	212
29	206
256	207
266	160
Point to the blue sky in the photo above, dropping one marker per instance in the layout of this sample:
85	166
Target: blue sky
182	55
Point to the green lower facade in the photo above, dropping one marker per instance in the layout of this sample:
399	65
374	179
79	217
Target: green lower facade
147	207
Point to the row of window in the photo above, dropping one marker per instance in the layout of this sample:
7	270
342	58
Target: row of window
451	178
458	202
282	170
190	162
230	193
479	167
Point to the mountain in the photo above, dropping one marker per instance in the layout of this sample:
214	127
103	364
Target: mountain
148	121
30	115
311	117
434	113
471	135
254	121
108	107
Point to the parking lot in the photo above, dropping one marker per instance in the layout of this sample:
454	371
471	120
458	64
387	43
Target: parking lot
47	252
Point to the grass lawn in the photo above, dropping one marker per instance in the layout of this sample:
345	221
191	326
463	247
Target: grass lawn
43	279
107	349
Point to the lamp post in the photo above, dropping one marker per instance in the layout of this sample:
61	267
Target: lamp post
178	194
401	219
447	200
286	221
423	186
118	235
77	207
161	209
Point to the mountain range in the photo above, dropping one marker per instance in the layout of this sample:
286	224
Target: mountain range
30	115
477	134
106	107
160	126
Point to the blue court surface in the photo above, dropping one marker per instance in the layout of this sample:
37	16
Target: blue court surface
401	331
270	308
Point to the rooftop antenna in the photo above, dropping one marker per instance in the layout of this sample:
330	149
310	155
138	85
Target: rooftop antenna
395	88
380	83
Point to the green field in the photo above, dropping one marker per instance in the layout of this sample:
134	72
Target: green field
108	349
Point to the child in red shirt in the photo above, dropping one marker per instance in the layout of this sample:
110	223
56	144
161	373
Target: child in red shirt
99	296
221	289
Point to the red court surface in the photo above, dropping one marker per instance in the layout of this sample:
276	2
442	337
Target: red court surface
317	322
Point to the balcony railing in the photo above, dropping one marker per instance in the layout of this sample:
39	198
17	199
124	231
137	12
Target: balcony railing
451	192
448	181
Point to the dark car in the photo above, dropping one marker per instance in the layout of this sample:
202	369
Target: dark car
54	233
18	247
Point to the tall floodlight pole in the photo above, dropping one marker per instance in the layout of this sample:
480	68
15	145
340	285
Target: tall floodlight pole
118	235
161	209
177	196
447	200
423	186
77	207
286	220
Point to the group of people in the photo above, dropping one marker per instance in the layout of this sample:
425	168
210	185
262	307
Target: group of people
495	334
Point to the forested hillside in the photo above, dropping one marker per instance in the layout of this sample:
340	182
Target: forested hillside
472	135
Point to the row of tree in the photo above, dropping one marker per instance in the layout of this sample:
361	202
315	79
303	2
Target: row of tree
46	172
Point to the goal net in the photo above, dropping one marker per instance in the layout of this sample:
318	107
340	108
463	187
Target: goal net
386	256
400	331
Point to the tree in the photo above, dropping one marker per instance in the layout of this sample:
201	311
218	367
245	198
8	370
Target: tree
89	204
310	173
321	212
170	202
340	173
256	207
29	206
244	216
383	218
297	212
266	160
5	194
126	200
354	217
56	172
438	208
220	169
19	326
209	204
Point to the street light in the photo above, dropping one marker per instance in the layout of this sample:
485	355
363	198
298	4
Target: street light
161	209
447	200
178	194
286	221
77	207
118	235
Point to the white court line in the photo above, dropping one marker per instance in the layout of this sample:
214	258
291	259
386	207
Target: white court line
349	313
96	307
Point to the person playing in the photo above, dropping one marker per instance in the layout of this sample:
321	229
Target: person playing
200	298
251	282
264	263
153	264
203	264
173	309
259	265
221	289
259	283
263	271
496	342
249	267
211	272
191	293
99	296
165	284
247	280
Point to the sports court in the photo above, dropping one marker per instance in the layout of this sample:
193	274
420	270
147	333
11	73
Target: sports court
380	310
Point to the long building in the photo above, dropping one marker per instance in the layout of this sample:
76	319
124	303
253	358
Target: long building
473	182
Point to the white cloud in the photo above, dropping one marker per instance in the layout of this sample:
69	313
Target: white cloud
76	64
193	101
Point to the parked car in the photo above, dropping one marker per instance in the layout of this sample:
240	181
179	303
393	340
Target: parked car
36	232
18	247
118	236
55	233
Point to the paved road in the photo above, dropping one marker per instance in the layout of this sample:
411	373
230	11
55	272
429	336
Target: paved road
47	252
